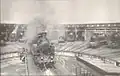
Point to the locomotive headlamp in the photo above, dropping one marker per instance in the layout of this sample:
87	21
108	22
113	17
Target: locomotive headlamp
41	58
71	33
52	57
21	33
51	60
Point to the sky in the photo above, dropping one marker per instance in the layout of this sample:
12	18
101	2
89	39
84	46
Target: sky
60	11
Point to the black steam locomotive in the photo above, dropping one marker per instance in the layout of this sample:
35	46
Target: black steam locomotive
43	54
5	31
97	40
17	33
114	40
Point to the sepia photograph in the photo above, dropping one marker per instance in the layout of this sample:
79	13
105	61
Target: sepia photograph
59	37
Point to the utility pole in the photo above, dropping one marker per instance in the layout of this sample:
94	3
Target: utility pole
76	33
26	62
76	71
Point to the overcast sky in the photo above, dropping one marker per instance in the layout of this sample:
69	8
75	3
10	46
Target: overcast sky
60	11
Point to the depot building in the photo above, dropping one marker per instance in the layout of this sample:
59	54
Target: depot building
82	18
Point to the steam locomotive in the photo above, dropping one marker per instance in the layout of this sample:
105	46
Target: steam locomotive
112	40
97	40
70	36
43	55
4	33
17	33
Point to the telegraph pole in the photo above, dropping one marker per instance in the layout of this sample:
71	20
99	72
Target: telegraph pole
26	62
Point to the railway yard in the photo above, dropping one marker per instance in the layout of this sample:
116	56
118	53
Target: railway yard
65	64
95	55
60	38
